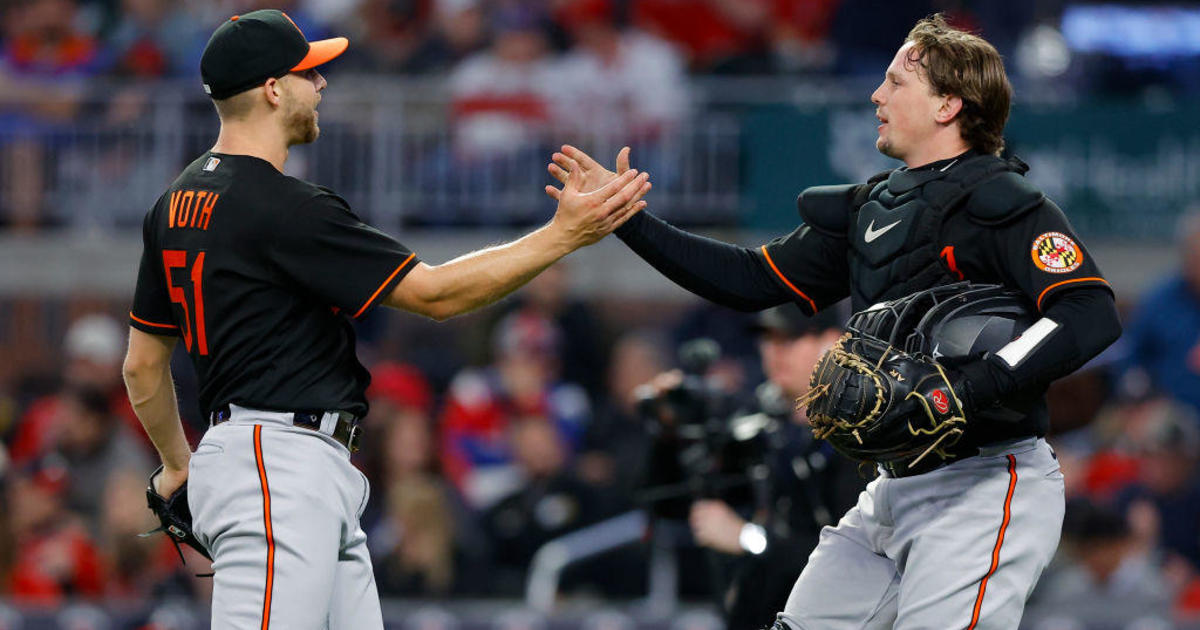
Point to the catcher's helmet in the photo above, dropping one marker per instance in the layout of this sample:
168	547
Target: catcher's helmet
953	324
950	323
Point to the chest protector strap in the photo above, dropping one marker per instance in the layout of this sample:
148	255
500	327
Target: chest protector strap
894	237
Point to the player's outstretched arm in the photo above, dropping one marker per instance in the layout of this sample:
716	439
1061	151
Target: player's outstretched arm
729	275
485	276
147	373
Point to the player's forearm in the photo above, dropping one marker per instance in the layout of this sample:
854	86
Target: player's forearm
726	274
485	276
1076	327
152	394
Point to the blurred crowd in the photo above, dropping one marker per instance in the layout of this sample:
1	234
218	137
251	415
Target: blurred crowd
474	467
93	88
476	462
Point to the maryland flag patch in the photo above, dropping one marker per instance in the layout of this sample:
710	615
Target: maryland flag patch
1055	252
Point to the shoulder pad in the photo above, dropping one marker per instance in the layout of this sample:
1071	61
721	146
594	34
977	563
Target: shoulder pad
1003	198
827	208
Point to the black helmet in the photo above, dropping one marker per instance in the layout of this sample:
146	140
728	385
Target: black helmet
950	323
954	324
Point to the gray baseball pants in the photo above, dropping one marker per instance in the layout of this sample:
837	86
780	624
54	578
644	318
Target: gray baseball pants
278	507
960	547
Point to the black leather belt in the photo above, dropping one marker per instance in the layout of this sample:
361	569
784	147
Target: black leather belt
346	430
958	452
931	462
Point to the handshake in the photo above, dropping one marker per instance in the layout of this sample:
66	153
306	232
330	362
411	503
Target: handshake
594	201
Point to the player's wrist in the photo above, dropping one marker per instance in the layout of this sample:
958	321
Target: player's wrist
563	238
175	461
977	386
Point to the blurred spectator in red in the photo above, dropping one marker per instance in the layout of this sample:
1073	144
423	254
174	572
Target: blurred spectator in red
745	36
549	294
41	51
398	440
94	446
139	569
55	558
1101	574
798	35
550	502
8	546
421	532
1161	342
718	35
502	96
1103	459
41	40
153	39
523	381
397	388
94	347
627	83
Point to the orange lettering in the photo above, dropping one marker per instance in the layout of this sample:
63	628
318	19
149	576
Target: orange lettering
174	206
200	195
948	254
185	204
208	208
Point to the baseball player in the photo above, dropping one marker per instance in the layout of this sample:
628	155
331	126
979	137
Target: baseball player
261	275
957	539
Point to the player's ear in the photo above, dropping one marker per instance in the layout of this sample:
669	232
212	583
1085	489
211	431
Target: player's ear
273	91
948	109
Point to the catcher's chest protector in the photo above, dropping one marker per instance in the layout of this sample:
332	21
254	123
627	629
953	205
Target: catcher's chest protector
895	236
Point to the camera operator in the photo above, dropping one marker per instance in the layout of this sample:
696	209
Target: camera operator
767	545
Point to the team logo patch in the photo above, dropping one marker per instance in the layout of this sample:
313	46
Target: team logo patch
211	164
940	401
1055	252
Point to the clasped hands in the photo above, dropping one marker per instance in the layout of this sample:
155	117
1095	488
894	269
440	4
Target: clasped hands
594	201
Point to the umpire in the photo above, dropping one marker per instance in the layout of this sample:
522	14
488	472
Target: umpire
262	275
960	541
807	487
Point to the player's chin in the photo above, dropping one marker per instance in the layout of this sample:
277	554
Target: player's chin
311	132
884	146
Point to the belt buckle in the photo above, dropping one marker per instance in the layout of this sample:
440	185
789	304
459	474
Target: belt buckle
356	432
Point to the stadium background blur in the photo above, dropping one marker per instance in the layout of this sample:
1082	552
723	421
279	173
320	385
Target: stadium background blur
493	434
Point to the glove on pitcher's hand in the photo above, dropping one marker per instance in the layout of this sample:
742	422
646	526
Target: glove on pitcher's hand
174	515
875	403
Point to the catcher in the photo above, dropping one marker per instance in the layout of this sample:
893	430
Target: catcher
968	508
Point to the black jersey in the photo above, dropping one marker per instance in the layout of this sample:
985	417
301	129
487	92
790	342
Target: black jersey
1037	254
260	275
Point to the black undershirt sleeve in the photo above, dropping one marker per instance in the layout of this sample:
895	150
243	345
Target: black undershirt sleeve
726	274
1087	323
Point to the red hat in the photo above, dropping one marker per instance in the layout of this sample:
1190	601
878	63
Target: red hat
401	384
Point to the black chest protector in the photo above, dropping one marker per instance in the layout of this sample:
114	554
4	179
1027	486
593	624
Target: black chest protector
894	230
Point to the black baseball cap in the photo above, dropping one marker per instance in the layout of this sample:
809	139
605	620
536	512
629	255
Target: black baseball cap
253	47
789	320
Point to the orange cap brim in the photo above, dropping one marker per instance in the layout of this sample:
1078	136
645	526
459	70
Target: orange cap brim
322	51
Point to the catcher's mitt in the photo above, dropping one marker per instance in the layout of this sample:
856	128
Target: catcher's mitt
875	403
175	517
